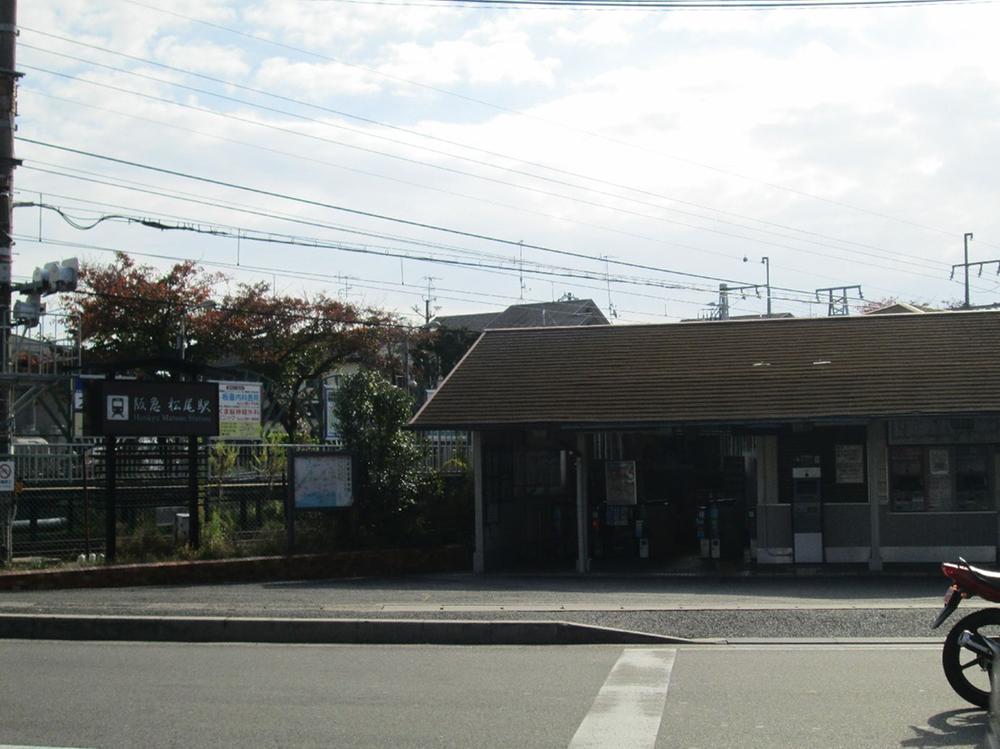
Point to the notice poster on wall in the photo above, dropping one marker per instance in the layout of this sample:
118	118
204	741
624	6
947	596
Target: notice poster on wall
937	457
850	464
619	481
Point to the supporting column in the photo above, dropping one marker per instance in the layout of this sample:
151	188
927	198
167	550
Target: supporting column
582	506
479	553
878	483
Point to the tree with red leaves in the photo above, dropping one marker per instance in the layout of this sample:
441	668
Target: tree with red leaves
128	312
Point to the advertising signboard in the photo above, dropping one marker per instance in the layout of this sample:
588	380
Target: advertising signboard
152	409
239	410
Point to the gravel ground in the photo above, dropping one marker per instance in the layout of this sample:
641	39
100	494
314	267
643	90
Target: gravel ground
805	623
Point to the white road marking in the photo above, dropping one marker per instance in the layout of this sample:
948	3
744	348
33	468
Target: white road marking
628	709
15	746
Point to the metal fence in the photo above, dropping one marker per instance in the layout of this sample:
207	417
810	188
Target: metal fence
447	452
61	505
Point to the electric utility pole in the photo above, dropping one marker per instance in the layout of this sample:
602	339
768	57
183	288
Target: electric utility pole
838	301
8	102
980	264
965	241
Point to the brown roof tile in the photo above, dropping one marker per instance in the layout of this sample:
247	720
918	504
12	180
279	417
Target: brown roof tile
732	371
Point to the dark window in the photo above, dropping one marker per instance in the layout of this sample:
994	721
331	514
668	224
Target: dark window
941	478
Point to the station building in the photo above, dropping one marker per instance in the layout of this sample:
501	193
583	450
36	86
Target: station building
865	440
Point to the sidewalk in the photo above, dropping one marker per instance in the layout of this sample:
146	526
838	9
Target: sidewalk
462	608
464	592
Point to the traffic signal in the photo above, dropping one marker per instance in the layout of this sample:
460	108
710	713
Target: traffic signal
55	277
51	278
28	312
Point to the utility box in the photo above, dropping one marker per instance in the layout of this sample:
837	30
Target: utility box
807	509
182	527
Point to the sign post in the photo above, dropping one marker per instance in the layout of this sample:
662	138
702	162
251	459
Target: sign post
133	408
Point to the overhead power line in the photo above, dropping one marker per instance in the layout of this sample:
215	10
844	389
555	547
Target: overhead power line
661	5
140	187
133	186
537	190
368	214
806	234
562	125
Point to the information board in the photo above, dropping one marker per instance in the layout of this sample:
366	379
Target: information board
322	480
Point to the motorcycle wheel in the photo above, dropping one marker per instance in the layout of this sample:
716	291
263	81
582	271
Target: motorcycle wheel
966	671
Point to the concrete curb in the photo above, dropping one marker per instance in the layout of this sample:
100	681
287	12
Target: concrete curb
358	563
319	631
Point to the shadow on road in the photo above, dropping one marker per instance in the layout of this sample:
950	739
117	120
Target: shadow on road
954	728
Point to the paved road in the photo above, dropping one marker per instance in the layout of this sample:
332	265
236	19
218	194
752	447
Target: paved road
126	695
686	607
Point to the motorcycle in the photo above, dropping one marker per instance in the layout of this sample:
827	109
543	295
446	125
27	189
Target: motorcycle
969	648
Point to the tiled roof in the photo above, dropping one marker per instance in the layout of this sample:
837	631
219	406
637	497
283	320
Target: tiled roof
729	371
475	323
536	315
575	312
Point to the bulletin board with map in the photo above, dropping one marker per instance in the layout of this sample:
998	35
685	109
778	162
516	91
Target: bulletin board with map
321	480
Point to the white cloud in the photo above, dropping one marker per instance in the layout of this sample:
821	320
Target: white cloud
203	57
508	60
315	80
604	31
318	24
892	111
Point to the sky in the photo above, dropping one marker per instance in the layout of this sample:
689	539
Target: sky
427	156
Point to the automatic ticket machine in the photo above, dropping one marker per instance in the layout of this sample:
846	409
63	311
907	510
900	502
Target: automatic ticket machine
807	509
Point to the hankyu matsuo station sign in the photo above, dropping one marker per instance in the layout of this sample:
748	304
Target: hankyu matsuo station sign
141	409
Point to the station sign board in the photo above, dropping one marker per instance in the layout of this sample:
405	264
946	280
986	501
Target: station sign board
153	409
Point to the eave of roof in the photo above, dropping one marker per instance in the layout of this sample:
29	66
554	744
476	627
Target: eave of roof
759	371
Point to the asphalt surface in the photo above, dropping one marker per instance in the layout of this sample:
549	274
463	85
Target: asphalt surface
60	694
696	607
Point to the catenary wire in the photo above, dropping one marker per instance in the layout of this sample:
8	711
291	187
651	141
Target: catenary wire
497	107
416	133
140	187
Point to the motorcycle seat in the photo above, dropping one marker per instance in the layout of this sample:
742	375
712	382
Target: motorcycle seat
990	576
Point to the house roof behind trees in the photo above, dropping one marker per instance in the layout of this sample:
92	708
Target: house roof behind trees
896	308
759	371
542	314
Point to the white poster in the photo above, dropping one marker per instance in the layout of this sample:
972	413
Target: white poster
850	464
620	482
331	425
240	410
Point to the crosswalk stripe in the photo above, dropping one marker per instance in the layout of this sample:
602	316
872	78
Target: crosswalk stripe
628	708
